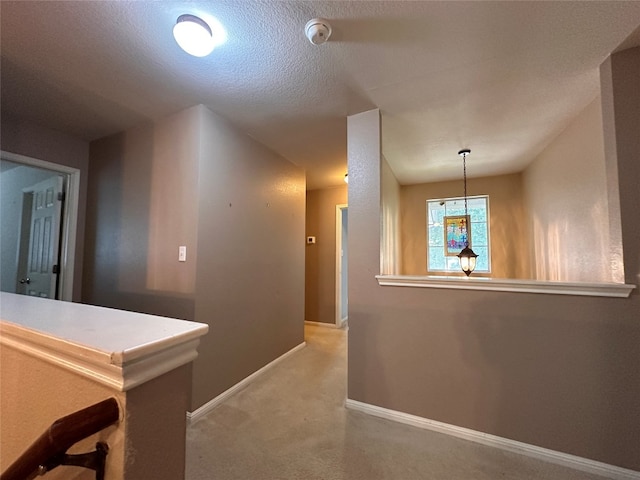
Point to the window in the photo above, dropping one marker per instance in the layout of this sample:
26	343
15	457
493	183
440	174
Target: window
437	258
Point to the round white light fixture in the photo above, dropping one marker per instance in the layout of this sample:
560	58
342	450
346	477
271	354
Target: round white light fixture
197	37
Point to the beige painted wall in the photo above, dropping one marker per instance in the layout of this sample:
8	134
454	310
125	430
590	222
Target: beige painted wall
250	274
320	258
26	138
35	394
507	223
142	205
555	371
148	442
565	191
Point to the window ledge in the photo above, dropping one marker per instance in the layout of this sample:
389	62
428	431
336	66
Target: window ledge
619	290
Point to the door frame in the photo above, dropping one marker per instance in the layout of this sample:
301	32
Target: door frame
340	211
69	218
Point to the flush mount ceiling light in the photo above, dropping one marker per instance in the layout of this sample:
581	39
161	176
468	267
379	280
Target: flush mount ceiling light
197	37
467	256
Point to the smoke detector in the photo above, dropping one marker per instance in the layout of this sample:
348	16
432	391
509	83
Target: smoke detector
317	31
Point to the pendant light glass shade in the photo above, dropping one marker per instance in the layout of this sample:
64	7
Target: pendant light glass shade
467	260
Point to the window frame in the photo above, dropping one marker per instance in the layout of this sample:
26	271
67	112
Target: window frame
487	222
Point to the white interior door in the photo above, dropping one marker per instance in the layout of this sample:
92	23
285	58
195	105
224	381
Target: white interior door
40	276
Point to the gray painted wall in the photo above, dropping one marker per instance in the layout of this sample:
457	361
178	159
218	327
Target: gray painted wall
620	110
142	205
250	275
560	372
193	179
26	138
156	427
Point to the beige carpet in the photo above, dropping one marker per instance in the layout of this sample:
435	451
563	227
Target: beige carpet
291	424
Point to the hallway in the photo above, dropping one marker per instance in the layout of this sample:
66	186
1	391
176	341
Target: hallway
291	423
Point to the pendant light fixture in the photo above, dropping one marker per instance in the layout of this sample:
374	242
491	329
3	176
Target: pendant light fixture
467	257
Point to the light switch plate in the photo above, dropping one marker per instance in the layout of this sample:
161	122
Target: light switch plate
182	253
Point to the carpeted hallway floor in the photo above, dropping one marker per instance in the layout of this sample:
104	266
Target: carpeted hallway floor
291	423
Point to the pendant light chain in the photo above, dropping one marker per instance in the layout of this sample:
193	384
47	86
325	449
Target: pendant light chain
466	210
467	256
464	169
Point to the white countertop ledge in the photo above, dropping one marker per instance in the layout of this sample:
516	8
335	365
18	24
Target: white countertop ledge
114	347
619	290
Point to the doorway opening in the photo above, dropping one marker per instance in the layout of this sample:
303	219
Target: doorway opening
342	256
39	220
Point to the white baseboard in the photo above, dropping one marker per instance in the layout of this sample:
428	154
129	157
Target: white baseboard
572	461
320	324
197	414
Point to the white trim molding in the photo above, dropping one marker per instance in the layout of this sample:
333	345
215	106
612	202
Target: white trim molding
618	290
116	348
572	461
199	413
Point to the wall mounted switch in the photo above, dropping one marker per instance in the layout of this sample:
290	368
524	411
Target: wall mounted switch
182	253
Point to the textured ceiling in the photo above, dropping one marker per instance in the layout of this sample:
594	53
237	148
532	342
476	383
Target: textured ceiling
501	78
